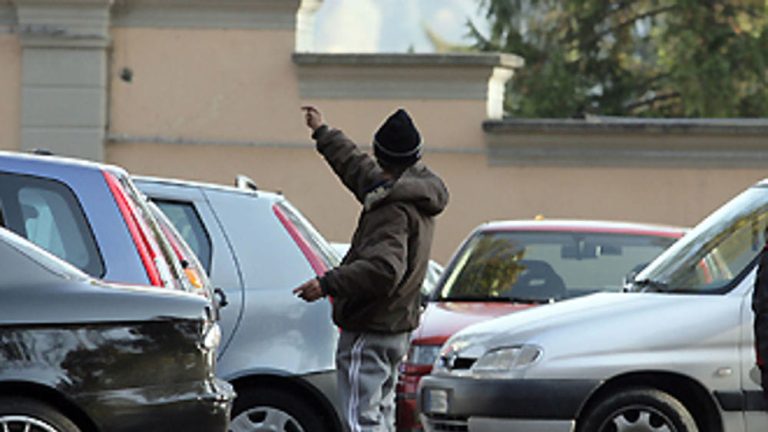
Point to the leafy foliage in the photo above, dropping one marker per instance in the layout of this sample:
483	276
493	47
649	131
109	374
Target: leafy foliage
492	267
669	58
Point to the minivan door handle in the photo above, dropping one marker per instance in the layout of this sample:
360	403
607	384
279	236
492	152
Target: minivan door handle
220	297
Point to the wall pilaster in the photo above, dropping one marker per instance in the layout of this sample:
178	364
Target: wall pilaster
64	75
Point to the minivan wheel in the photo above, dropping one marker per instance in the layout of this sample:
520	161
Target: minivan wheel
28	415
273	410
639	410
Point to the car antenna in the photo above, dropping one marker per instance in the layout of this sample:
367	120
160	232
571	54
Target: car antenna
245	182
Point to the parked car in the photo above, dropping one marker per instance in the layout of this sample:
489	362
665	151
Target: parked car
78	354
434	269
509	266
277	350
675	353
92	216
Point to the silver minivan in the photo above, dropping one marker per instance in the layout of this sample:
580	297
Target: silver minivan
674	353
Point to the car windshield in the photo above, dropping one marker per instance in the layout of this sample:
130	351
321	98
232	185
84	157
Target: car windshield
542	266
714	256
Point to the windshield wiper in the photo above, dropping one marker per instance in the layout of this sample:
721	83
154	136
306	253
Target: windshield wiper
648	285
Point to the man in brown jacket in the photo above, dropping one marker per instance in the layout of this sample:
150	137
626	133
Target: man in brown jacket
375	289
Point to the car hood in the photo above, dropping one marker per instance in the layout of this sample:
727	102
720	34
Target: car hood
613	331
442	319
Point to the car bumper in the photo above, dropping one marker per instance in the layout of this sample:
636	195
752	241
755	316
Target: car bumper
480	405
198	406
407	414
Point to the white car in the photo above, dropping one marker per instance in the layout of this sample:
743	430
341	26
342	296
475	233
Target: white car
675	353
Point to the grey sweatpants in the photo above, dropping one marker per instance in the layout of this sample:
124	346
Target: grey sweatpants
367	373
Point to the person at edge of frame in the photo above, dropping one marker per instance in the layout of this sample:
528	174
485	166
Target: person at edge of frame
376	288
760	308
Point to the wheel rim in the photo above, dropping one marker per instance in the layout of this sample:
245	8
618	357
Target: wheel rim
638	418
264	419
22	423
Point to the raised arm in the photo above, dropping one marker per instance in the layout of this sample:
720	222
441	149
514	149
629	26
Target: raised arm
357	170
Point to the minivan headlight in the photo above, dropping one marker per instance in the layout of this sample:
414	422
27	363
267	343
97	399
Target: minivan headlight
506	361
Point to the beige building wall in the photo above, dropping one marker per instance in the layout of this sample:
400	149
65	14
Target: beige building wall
204	84
209	91
10	87
479	192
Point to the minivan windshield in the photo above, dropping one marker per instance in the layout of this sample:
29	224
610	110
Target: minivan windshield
715	255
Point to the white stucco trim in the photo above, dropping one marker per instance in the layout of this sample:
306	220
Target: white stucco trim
606	141
480	77
119	138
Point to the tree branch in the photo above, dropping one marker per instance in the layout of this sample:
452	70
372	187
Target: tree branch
629	22
650	101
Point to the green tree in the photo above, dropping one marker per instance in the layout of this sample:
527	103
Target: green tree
668	58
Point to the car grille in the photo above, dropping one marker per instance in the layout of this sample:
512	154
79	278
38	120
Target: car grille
447	423
457	363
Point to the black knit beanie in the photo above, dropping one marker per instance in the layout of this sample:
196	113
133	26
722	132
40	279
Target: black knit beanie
397	142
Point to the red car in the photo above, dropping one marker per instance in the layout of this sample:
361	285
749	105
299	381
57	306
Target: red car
504	267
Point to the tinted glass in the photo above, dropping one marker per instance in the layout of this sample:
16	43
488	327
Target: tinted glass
188	223
48	214
723	247
540	266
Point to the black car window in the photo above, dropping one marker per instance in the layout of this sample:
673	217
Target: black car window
48	214
188	223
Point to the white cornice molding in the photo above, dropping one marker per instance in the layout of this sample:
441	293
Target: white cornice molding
68	23
305	25
690	143
219	14
406	76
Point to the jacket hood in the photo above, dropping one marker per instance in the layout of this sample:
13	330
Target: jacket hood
418	186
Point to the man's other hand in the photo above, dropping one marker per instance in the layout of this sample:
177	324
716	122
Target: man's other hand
313	117
309	291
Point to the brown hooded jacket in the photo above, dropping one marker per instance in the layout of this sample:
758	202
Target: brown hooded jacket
377	286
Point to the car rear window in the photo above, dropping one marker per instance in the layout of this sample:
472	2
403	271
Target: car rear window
539	266
188	223
47	213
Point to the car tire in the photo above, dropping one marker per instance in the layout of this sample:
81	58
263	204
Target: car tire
639	409
18	413
258	409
